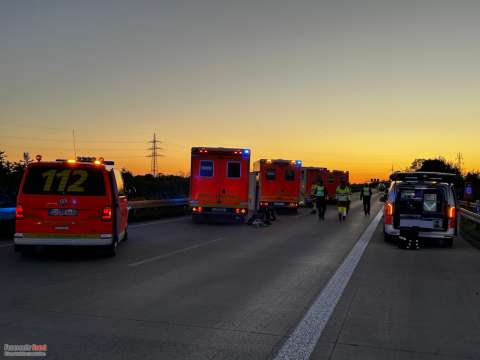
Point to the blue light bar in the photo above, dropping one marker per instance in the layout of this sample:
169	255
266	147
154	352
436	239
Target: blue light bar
246	151
298	162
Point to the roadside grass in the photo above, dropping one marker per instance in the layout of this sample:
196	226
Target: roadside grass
470	231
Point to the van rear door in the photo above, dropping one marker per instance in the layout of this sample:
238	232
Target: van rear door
421	207
61	199
290	183
233	182
204	181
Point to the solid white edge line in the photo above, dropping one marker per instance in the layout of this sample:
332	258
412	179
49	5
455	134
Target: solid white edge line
304	338
160	257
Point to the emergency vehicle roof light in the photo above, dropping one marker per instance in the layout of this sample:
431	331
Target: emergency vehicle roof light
246	151
71	161
298	162
38	157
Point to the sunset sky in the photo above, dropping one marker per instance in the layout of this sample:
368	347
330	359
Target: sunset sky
359	85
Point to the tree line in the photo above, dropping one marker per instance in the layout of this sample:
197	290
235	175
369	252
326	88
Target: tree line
138	186
170	186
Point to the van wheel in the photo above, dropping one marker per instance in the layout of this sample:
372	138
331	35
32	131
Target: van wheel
448	243
26	251
387	238
402	244
111	250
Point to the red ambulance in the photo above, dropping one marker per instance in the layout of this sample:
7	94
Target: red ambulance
310	176
278	183
71	203
219	183
334	178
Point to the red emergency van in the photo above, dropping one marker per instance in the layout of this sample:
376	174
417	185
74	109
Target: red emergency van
310	176
278	182
334	178
219	183
71	202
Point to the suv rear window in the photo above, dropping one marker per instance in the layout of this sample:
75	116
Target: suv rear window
414	201
58	180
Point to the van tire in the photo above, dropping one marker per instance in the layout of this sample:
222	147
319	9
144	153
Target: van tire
448	243
26	251
387	237
402	244
111	250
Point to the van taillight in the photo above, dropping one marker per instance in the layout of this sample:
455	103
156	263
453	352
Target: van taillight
388	209
107	213
388	213
19	213
451	215
451	212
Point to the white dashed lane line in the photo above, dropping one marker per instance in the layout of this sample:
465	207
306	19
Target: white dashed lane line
180	251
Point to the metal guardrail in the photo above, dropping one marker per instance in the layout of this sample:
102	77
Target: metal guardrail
470	216
148	204
7	214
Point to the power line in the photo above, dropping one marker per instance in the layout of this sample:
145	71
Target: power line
154	155
68	141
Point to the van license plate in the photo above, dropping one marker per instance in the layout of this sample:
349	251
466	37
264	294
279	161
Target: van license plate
62	212
278	203
219	209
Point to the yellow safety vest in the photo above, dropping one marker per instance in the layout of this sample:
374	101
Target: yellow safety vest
366	191
318	190
342	194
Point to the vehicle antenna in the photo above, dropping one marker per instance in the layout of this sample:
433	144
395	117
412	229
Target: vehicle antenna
74	144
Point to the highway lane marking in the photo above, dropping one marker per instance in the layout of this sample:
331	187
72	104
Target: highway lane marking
6	245
160	257
304	338
157	222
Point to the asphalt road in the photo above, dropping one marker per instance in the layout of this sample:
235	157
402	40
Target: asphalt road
179	290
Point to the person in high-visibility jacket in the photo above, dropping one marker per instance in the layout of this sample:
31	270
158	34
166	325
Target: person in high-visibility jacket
349	196
342	196
320	193
366	196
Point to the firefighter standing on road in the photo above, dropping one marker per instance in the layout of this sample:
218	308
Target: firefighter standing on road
319	193
366	196
342	196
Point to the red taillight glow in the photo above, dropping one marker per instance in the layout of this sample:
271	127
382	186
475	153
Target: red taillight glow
19	212
240	211
196	209
263	204
451	212
388	213
452	215
292	204
388	209
107	214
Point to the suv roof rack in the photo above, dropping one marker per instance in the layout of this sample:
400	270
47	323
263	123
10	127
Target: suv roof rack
424	176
